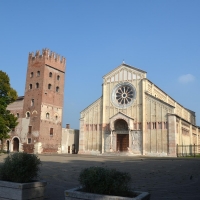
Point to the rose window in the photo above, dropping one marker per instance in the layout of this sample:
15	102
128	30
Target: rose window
123	95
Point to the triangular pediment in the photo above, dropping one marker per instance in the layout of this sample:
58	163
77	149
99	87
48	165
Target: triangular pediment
120	114
123	116
124	72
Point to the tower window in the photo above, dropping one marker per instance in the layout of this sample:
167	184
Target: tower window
37	85
47	115
30	129
51	132
29	140
30	86
56	117
58	77
49	86
57	89
27	114
38	73
50	74
17	115
32	102
31	74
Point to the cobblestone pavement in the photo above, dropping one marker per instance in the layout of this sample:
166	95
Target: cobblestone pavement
164	178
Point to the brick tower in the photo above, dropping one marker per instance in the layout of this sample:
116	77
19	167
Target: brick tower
43	101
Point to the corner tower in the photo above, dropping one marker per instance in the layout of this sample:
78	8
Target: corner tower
43	101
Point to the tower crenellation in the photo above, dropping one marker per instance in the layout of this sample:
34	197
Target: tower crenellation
48	57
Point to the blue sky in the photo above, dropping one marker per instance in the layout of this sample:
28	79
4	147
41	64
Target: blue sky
159	37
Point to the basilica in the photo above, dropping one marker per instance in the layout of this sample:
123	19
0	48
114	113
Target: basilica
133	116
136	117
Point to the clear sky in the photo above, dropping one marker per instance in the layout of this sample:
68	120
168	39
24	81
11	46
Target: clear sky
161	37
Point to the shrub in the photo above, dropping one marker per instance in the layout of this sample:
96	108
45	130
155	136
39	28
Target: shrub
20	168
105	181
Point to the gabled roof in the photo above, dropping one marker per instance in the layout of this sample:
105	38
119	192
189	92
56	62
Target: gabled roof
121	114
91	104
125	65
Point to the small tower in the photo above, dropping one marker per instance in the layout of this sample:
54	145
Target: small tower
43	100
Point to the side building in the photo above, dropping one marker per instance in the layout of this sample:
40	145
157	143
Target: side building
40	111
135	116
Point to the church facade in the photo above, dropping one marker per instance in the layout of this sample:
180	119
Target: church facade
135	116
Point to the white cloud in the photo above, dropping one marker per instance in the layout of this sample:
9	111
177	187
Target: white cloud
186	78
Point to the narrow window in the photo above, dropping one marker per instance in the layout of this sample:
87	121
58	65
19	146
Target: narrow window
27	114
154	125
140	126
56	117
17	115
29	140
31	74
30	86
32	102
51	132
58	77
49	86
38	73
57	89
86	127
47	115
50	74
37	85
30	129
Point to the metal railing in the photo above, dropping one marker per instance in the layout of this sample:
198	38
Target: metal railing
188	150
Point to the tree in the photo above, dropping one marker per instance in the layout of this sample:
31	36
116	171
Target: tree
7	95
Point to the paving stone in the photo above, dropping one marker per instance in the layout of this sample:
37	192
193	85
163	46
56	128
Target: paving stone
164	178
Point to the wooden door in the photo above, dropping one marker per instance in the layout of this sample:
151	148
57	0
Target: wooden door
122	142
15	144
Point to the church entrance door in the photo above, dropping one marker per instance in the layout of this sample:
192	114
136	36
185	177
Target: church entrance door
121	129
16	144
122	142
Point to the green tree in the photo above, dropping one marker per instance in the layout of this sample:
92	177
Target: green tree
7	95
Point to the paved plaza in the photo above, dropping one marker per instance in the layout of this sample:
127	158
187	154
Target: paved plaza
164	178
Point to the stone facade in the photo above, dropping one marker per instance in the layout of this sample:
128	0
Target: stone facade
40	111
135	116
70	140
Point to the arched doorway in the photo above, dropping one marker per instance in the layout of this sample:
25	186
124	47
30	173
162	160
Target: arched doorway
121	129
7	146
15	144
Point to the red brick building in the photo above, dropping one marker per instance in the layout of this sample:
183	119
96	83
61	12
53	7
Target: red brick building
40	111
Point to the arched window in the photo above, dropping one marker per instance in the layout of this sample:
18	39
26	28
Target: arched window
32	102
49	86
58	77
27	114
47	115
50	74
51	132
37	85
38	73
17	115
57	89
31	74
30	86
56	117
